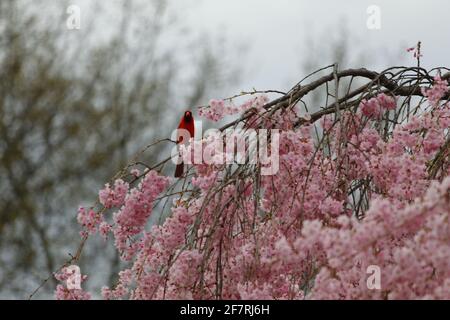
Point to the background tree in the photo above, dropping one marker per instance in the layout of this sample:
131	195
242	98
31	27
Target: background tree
74	106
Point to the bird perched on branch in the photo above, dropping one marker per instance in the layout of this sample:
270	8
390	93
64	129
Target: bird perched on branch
186	123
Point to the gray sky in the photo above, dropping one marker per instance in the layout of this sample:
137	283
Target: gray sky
276	32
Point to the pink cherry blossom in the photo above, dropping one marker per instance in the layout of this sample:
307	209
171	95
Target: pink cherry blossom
437	91
355	190
64	292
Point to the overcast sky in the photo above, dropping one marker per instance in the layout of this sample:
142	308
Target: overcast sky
277	32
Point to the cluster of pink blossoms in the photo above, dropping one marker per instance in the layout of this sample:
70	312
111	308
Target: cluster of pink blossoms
113	197
435	93
216	110
416	51
362	198
374	107
89	220
65	291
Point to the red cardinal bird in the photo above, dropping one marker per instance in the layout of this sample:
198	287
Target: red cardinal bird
186	123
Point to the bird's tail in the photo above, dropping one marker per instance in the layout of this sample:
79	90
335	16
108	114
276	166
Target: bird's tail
179	170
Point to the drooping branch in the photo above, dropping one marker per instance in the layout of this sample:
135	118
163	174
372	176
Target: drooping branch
393	83
226	223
